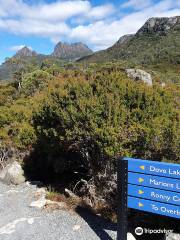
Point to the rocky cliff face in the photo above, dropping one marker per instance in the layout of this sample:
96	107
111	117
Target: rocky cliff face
71	51
25	52
160	25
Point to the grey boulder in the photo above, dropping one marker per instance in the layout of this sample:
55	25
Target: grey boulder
139	75
12	174
173	236
130	236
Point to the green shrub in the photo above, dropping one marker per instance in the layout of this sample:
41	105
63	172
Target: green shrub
5	116
34	81
103	118
25	136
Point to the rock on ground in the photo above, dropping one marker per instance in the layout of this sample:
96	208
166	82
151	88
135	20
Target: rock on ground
138	74
12	174
130	237
173	237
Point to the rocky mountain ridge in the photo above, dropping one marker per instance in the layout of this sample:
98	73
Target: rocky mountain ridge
61	50
160	25
25	52
71	51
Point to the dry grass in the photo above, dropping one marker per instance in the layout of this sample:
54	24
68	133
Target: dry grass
73	202
70	202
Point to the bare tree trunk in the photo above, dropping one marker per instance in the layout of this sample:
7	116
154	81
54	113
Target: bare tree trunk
3	157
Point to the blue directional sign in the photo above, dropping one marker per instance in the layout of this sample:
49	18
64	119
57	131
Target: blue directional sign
169	184
154	168
154	194
147	186
154	207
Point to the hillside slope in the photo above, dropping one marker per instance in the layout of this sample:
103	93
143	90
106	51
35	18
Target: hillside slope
26	58
157	41
29	63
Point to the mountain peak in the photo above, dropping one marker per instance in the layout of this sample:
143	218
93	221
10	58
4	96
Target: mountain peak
71	51
25	52
160	25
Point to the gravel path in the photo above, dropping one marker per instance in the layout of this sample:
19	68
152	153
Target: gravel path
18	221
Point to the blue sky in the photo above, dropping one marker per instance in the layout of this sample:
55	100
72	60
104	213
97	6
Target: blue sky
40	24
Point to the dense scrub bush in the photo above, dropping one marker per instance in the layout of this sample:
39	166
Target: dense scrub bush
80	122
25	135
34	81
83	126
5	117
7	94
15	123
92	121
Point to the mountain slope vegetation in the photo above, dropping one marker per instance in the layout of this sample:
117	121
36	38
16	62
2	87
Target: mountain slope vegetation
155	47
26	64
157	41
26	59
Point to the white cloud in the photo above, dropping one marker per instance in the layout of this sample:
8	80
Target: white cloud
60	10
100	12
33	27
137	4
48	19
12	7
103	34
100	34
97	26
18	47
56	11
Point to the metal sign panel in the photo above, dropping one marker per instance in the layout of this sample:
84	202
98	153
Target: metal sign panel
153	168
152	187
163	183
154	194
154	207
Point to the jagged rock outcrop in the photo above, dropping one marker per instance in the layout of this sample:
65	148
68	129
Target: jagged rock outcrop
160	25
71	51
12	174
138	74
25	52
